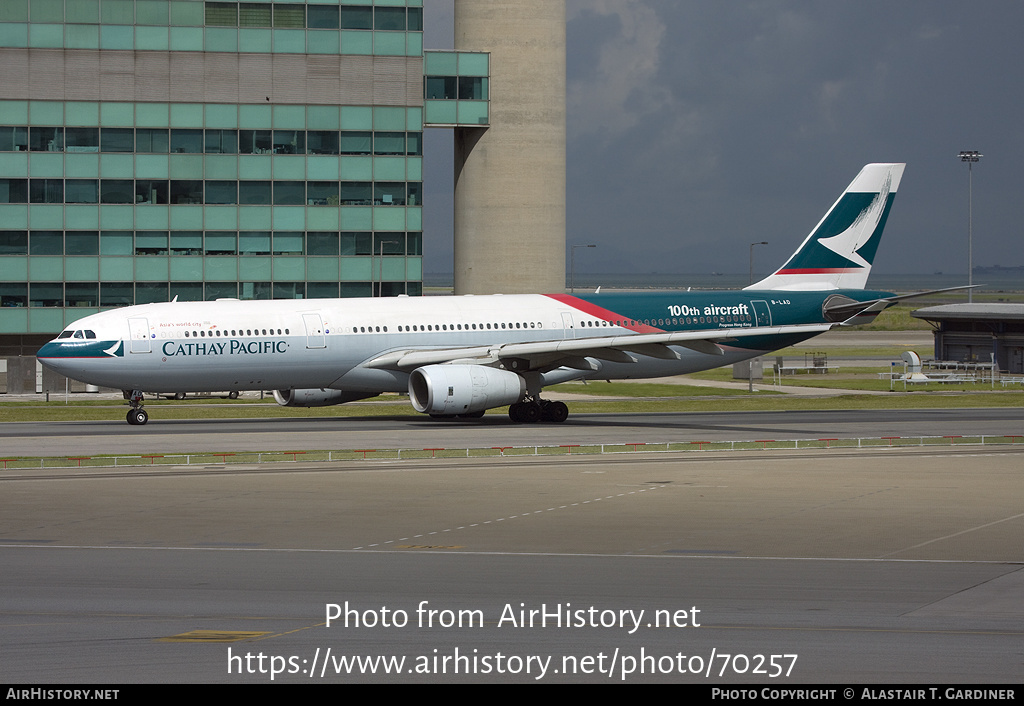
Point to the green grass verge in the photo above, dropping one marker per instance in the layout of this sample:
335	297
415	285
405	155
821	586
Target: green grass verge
646	389
706	402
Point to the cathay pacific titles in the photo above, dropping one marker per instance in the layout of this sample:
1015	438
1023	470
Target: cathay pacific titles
232	347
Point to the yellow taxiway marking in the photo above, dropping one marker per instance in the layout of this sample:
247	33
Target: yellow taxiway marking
213	636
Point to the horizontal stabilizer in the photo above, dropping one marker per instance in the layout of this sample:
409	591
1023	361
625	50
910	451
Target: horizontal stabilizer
844	310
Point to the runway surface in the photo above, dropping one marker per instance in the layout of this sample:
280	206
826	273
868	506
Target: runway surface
417	431
882	565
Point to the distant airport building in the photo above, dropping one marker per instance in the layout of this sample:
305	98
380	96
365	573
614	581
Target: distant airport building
152	149
972	333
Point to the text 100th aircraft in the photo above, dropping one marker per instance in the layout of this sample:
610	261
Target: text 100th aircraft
460	356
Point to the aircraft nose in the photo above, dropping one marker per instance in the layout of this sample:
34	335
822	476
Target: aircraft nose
54	356
70	356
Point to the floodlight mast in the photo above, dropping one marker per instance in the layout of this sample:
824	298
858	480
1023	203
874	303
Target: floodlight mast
970	156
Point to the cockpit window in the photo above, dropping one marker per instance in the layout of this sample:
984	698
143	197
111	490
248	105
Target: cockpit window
82	334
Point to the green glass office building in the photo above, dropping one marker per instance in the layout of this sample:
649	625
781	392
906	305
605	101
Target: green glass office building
152	149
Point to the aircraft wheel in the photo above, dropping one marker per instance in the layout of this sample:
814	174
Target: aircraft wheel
179	395
556	412
529	413
233	395
137	417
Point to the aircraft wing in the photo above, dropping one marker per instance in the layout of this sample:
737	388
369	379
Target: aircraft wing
573	352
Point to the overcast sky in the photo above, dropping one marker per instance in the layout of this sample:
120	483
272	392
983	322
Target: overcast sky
698	127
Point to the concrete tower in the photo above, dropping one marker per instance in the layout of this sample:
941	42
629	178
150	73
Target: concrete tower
510	176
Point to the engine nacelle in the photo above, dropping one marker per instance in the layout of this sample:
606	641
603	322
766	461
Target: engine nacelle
463	389
318	397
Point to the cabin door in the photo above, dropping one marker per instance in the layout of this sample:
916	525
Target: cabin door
762	313
314	331
138	328
568	329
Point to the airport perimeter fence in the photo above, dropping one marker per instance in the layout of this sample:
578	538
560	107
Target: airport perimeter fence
220	460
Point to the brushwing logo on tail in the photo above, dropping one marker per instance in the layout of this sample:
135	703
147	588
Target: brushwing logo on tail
849	243
850	234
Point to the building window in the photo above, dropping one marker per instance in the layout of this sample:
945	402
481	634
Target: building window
117	191
16	295
254	193
46	139
389	18
356	142
289	193
117	294
151	242
322	17
221	243
82	139
187	141
151	191
13	138
289	142
357	17
389	143
117	139
389	244
221	290
356	243
186	192
325	244
289	290
356	193
254	243
289	243
13	190
146	293
222	142
254	15
117	242
222	14
322	193
221	192
46	294
389	193
441	87
46	191
15	242
82	243
150	141
254	142
81	294
293	16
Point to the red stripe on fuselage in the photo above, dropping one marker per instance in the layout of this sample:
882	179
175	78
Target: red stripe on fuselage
604	314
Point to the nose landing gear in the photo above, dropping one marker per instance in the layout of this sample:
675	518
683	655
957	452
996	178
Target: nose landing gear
137	416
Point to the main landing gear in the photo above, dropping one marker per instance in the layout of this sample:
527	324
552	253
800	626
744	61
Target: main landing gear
137	416
538	410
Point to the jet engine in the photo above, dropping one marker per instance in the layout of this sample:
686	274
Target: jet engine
318	397
463	389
